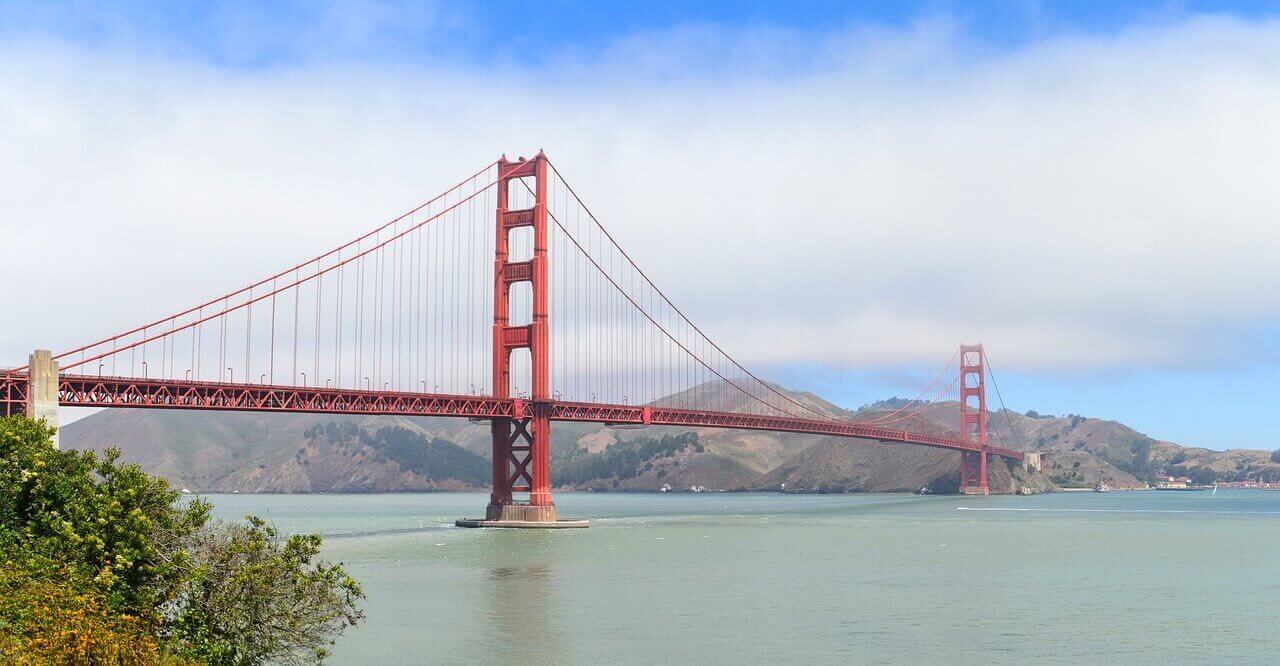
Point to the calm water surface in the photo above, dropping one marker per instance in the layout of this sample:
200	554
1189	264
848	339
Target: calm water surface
768	578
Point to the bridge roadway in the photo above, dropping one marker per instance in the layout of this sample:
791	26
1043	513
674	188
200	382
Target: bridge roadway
95	391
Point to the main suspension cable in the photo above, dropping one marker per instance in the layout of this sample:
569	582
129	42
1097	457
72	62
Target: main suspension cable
677	310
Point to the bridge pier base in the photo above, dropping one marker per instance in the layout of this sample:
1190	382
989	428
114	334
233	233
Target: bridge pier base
520	456
521	515
42	390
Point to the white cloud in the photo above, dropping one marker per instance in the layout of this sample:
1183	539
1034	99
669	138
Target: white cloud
1098	202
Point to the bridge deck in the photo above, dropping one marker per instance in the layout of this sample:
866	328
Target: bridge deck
93	391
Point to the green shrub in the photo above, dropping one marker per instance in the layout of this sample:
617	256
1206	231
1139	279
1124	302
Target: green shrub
252	598
48	615
102	520
105	564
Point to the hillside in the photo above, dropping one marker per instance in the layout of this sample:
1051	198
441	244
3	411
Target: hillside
831	465
254	452
1080	451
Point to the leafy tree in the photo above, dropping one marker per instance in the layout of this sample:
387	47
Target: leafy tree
50	615
102	520
252	598
1275	456
1203	475
103	563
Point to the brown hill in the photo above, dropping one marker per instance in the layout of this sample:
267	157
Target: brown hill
258	452
254	452
834	465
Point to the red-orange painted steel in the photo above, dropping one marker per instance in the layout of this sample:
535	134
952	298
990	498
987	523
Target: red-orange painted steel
13	394
540	348
500	428
527	466
247	302
520	429
93	391
973	419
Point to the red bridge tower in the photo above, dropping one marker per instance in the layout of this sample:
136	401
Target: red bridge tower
521	443
973	419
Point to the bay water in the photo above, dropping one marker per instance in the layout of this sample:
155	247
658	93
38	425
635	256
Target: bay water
1121	577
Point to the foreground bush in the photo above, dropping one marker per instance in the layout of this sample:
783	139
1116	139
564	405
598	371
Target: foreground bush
251	598
47	616
105	564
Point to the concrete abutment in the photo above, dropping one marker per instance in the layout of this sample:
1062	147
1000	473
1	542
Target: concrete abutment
42	389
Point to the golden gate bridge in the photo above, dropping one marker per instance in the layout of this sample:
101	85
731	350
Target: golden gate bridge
502	299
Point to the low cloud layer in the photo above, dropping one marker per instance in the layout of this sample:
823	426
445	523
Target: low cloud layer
1101	203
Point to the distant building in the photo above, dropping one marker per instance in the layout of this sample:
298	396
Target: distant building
1172	482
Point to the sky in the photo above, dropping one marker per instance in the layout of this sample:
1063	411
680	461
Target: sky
1089	189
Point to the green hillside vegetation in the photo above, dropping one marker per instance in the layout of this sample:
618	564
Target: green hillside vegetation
624	460
434	458
249	452
105	564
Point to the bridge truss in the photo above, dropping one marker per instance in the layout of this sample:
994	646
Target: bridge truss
502	299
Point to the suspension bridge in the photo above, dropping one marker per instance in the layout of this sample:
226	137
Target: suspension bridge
503	299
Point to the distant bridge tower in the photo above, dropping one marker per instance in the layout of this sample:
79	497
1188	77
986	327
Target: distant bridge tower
973	419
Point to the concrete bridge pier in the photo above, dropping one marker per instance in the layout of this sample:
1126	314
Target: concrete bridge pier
42	389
